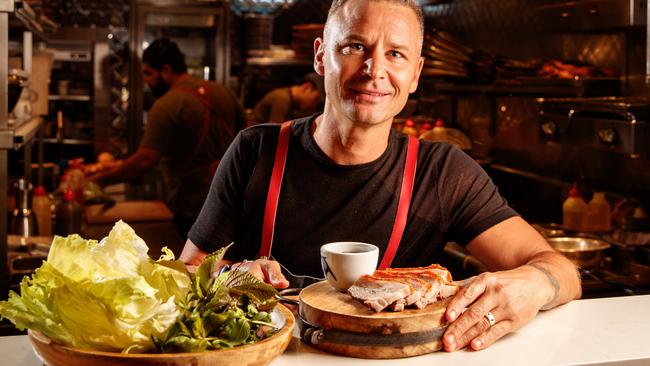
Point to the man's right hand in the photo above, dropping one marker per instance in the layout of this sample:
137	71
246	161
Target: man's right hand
266	270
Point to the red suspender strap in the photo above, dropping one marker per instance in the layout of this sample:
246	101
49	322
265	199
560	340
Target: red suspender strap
273	195
404	202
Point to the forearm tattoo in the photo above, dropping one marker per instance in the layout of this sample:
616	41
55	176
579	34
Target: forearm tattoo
554	282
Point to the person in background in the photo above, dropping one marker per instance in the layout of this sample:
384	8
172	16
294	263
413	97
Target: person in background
343	178
188	129
291	102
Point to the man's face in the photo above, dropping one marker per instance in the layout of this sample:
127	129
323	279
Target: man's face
153	78
370	59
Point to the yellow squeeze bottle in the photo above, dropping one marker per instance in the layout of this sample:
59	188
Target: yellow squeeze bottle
42	208
574	210
409	128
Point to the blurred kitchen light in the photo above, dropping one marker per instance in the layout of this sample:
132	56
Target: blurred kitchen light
259	6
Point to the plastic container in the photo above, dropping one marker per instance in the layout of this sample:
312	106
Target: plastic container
409	128
574	210
599	213
42	208
438	132
424	128
68	215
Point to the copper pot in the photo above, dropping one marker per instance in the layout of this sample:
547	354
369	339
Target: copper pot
583	252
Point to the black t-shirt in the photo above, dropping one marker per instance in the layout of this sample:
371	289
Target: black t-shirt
174	128
321	201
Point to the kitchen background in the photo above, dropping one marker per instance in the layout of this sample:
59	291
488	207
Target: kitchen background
548	93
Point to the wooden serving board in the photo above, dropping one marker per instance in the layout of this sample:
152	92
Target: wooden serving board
335	322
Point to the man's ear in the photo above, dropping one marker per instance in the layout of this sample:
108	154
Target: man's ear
166	72
416	77
319	53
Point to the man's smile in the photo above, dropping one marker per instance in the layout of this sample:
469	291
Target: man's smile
368	95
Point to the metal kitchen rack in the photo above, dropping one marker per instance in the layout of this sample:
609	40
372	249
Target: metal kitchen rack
11	137
530	87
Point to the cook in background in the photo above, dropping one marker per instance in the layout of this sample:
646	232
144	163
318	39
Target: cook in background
342	182
188	129
283	104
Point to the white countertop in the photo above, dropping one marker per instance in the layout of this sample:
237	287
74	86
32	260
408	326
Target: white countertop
584	332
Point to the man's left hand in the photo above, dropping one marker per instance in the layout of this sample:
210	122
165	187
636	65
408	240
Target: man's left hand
513	298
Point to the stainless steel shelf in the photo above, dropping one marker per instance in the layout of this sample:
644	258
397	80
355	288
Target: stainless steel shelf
67	141
271	61
33	22
586	87
6	7
15	138
79	98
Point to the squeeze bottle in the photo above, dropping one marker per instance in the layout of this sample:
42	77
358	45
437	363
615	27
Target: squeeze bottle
599	213
574	210
42	208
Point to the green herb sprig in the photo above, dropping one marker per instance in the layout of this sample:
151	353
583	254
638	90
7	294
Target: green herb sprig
221	312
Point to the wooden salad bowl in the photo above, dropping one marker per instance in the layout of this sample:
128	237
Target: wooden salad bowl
259	353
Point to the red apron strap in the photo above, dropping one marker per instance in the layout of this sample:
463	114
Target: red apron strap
273	195
404	202
202	93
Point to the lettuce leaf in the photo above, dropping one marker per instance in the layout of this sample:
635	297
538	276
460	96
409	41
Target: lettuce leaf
106	295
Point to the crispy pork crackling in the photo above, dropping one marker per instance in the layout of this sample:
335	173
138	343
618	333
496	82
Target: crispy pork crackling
397	288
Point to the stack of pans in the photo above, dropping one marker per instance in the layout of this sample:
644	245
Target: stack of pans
444	56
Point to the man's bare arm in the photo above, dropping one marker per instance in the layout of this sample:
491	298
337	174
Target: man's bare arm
529	277
134	166
514	243
193	255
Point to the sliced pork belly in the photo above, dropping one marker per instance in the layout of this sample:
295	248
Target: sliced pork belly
398	305
377	294
396	288
447	291
431	276
436	269
422	290
441	271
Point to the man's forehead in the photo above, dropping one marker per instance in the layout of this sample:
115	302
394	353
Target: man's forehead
353	20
